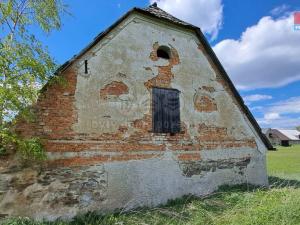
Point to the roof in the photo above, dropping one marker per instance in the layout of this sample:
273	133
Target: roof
153	9
155	12
278	134
293	135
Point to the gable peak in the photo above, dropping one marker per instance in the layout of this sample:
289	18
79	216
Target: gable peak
154	4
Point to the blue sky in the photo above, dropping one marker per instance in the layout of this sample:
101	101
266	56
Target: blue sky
254	40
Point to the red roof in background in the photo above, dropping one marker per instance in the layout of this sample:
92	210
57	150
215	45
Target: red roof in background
297	18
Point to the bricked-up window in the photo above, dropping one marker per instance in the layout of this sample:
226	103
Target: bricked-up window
166	110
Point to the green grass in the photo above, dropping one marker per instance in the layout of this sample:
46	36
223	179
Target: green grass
285	162
280	204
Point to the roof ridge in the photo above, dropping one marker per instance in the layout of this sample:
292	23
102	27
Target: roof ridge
154	9
154	4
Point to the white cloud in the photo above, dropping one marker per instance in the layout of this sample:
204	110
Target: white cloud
206	14
257	97
291	105
266	55
282	114
271	116
281	122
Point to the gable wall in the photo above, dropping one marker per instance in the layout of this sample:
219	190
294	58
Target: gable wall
104	119
125	64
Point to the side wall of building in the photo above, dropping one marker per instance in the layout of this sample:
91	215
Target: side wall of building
294	142
98	134
273	137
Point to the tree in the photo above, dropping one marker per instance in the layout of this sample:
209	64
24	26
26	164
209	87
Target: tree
298	128
25	64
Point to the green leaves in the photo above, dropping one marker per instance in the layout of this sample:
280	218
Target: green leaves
27	148
46	13
31	149
25	64
17	15
25	68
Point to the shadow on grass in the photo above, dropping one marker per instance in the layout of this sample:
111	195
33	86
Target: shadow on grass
175	210
276	182
216	203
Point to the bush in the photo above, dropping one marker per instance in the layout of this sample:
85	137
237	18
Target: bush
26	148
31	149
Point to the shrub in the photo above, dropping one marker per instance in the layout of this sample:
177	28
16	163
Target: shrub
26	148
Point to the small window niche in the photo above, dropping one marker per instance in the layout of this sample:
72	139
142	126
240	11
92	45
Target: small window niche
164	52
165	110
86	68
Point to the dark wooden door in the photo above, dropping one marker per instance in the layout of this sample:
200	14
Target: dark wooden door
166	110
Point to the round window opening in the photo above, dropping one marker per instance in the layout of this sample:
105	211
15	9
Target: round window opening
164	52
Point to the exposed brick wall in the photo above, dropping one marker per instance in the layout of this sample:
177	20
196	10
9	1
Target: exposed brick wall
205	104
26	129
219	77
78	161
208	89
105	147
57	114
189	157
165	74
217	137
115	88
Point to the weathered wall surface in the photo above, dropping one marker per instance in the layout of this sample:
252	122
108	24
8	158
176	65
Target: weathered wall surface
97	130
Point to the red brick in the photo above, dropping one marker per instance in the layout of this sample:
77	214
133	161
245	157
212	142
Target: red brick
115	88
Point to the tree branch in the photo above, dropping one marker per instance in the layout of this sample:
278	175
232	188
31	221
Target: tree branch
20	9
6	21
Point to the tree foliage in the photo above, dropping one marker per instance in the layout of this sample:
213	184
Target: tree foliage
25	64
298	128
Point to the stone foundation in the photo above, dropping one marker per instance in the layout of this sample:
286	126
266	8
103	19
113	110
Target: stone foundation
51	193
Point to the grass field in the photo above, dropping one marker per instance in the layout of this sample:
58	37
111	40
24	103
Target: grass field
285	162
280	204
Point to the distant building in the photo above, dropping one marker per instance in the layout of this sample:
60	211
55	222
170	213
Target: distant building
282	137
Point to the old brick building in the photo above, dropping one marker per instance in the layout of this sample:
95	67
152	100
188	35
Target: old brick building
148	115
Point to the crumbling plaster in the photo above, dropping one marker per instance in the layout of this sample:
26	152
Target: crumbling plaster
127	48
113	160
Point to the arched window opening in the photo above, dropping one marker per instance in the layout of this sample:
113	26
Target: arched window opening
163	52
